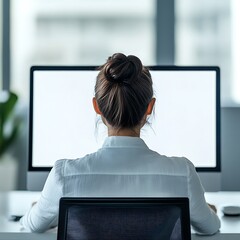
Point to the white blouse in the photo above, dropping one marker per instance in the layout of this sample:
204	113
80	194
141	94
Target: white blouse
123	167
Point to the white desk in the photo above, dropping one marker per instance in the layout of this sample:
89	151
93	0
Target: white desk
18	202
220	199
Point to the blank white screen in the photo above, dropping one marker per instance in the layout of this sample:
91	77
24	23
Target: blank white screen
184	123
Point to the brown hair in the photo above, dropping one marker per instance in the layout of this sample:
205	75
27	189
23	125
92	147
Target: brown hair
123	90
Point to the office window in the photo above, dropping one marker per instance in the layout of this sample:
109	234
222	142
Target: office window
207	33
71	32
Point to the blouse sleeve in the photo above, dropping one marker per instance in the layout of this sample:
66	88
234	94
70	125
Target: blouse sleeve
203	219
44	214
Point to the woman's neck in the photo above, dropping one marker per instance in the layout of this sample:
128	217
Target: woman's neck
124	132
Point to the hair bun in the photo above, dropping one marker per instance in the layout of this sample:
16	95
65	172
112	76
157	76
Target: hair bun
122	69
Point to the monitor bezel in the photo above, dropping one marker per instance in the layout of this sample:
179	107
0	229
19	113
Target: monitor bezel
217	168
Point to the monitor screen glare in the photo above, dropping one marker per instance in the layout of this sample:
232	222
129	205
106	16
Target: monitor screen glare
64	124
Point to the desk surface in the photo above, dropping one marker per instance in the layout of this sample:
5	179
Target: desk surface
10	202
221	199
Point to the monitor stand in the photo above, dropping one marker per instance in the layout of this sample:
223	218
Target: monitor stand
211	181
36	180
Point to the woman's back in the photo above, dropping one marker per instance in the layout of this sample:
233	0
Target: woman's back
124	167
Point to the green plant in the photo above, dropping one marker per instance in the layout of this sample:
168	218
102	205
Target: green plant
8	125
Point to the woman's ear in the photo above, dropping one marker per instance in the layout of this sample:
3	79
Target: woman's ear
95	106
150	106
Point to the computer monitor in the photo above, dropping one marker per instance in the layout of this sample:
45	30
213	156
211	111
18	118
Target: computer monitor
186	119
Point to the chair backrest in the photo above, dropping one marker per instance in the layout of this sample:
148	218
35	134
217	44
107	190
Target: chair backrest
124	218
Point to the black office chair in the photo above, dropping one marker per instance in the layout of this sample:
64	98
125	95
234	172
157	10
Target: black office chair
121	219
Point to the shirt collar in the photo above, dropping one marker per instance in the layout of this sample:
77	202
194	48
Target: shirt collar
123	141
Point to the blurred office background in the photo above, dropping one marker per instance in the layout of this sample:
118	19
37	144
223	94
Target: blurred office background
86	32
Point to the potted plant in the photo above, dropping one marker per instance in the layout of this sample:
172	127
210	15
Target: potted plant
9	127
